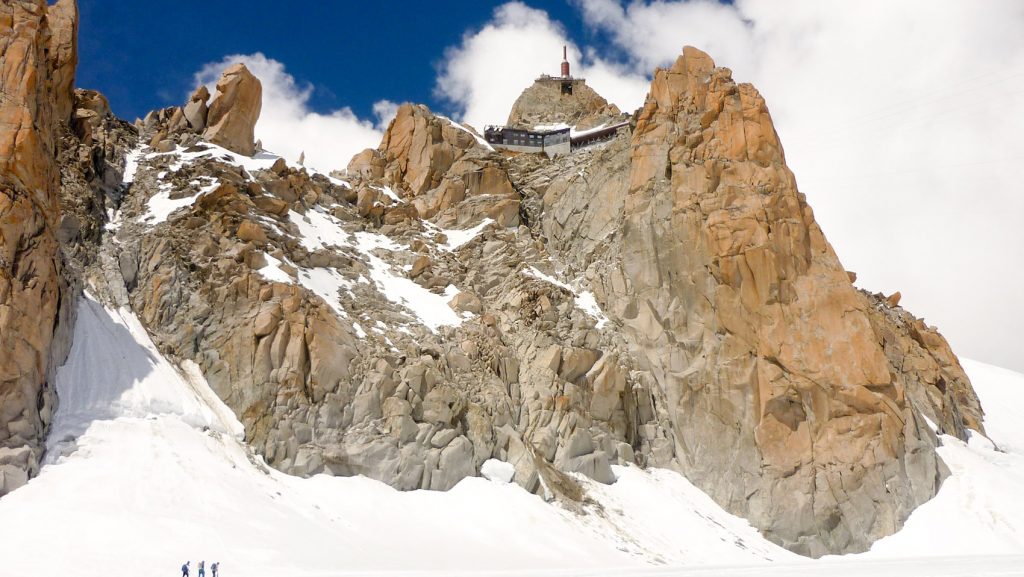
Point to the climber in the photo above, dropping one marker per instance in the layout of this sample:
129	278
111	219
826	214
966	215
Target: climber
213	568
202	569
184	569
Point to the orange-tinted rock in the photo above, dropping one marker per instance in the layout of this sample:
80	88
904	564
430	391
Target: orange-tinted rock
37	59
785	402
894	299
231	120
63	46
779	382
436	165
195	110
547	102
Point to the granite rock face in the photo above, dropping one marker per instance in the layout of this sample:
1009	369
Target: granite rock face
663	299
779	375
776	379
37	60
441	167
556	101
196	110
358	380
231	120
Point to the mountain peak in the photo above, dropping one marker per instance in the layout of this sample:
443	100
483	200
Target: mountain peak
560	100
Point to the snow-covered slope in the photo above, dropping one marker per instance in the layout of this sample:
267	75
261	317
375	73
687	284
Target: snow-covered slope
145	470
980	509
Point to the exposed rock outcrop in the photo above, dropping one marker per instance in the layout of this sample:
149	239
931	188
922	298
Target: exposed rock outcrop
352	382
662	299
37	60
195	110
776	375
63	55
231	120
777	380
548	101
92	160
440	165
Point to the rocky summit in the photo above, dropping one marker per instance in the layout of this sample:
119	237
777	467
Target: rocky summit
664	299
555	101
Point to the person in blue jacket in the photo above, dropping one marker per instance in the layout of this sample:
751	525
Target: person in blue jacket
184	569
213	568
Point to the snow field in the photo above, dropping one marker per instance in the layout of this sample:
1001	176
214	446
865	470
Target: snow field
145	469
155	475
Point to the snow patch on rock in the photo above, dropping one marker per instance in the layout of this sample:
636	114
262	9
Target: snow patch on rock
499	471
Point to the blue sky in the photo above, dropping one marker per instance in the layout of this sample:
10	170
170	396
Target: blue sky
145	58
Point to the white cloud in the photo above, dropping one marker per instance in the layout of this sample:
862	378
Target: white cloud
653	34
485	74
288	127
901	121
384	111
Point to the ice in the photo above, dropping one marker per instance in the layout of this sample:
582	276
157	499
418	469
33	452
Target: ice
576	133
114	370
262	160
532	271
319	230
1002	395
500	471
573	133
131	164
321	281
587	303
390	194
360	333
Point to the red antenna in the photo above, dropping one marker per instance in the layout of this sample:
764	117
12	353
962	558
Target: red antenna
565	62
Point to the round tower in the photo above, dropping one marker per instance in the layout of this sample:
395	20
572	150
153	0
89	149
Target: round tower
565	62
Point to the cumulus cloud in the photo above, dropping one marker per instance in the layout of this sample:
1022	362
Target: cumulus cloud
653	34
900	119
484	75
287	126
384	111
